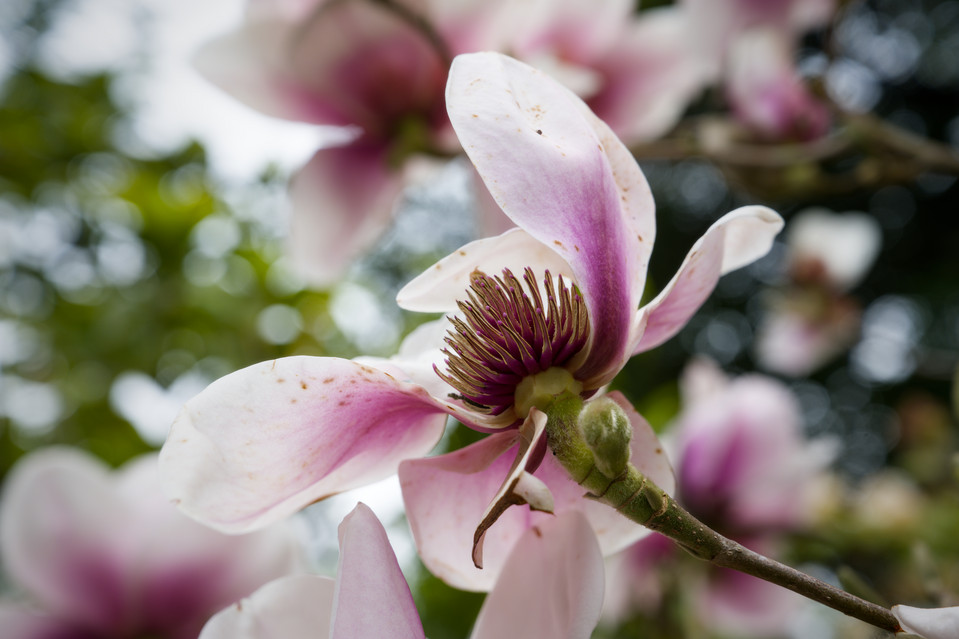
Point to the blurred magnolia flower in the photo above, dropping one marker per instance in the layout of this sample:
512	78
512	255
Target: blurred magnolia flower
743	467
369	598
715	25
379	70
750	48
101	553
636	72
263	442
929	623
766	93
813	319
743	464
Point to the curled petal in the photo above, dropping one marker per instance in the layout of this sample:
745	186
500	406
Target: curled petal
267	440
560	562
735	240
437	289
929	623
342	202
445	499
447	496
296	607
372	598
520	486
569	182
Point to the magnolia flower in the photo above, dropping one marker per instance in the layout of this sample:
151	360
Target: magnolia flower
715	25
369	598
929	623
813	319
103	554
743	464
766	93
374	67
549	307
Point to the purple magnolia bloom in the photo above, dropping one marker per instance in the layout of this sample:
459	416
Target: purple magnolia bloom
766	93
548	307
553	588
103	554
744	465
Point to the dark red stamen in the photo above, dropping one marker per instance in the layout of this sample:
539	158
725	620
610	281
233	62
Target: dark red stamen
507	333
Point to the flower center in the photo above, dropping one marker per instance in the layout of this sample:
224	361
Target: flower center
508	333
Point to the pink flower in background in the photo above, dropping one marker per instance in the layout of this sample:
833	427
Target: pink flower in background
370	599
636	72
750	47
813	319
101	553
743	464
766	93
263	442
715	25
358	64
379	69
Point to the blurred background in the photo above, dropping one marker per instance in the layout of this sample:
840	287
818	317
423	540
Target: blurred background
142	224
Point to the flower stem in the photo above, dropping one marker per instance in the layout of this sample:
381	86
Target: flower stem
642	501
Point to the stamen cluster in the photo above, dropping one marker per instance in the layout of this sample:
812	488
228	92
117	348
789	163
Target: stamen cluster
507	333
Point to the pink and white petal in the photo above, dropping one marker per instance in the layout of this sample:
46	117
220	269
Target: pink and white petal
342	202
298	607
372	598
445	499
561	563
265	441
577	30
252	65
67	538
930	623
736	239
520	486
418	353
437	289
651	76
564	178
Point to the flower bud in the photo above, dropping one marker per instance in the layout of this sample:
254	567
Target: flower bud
607	431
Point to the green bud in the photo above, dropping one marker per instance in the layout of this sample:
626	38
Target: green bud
607	431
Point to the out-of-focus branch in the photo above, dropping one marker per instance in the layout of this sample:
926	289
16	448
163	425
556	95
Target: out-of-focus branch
862	152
